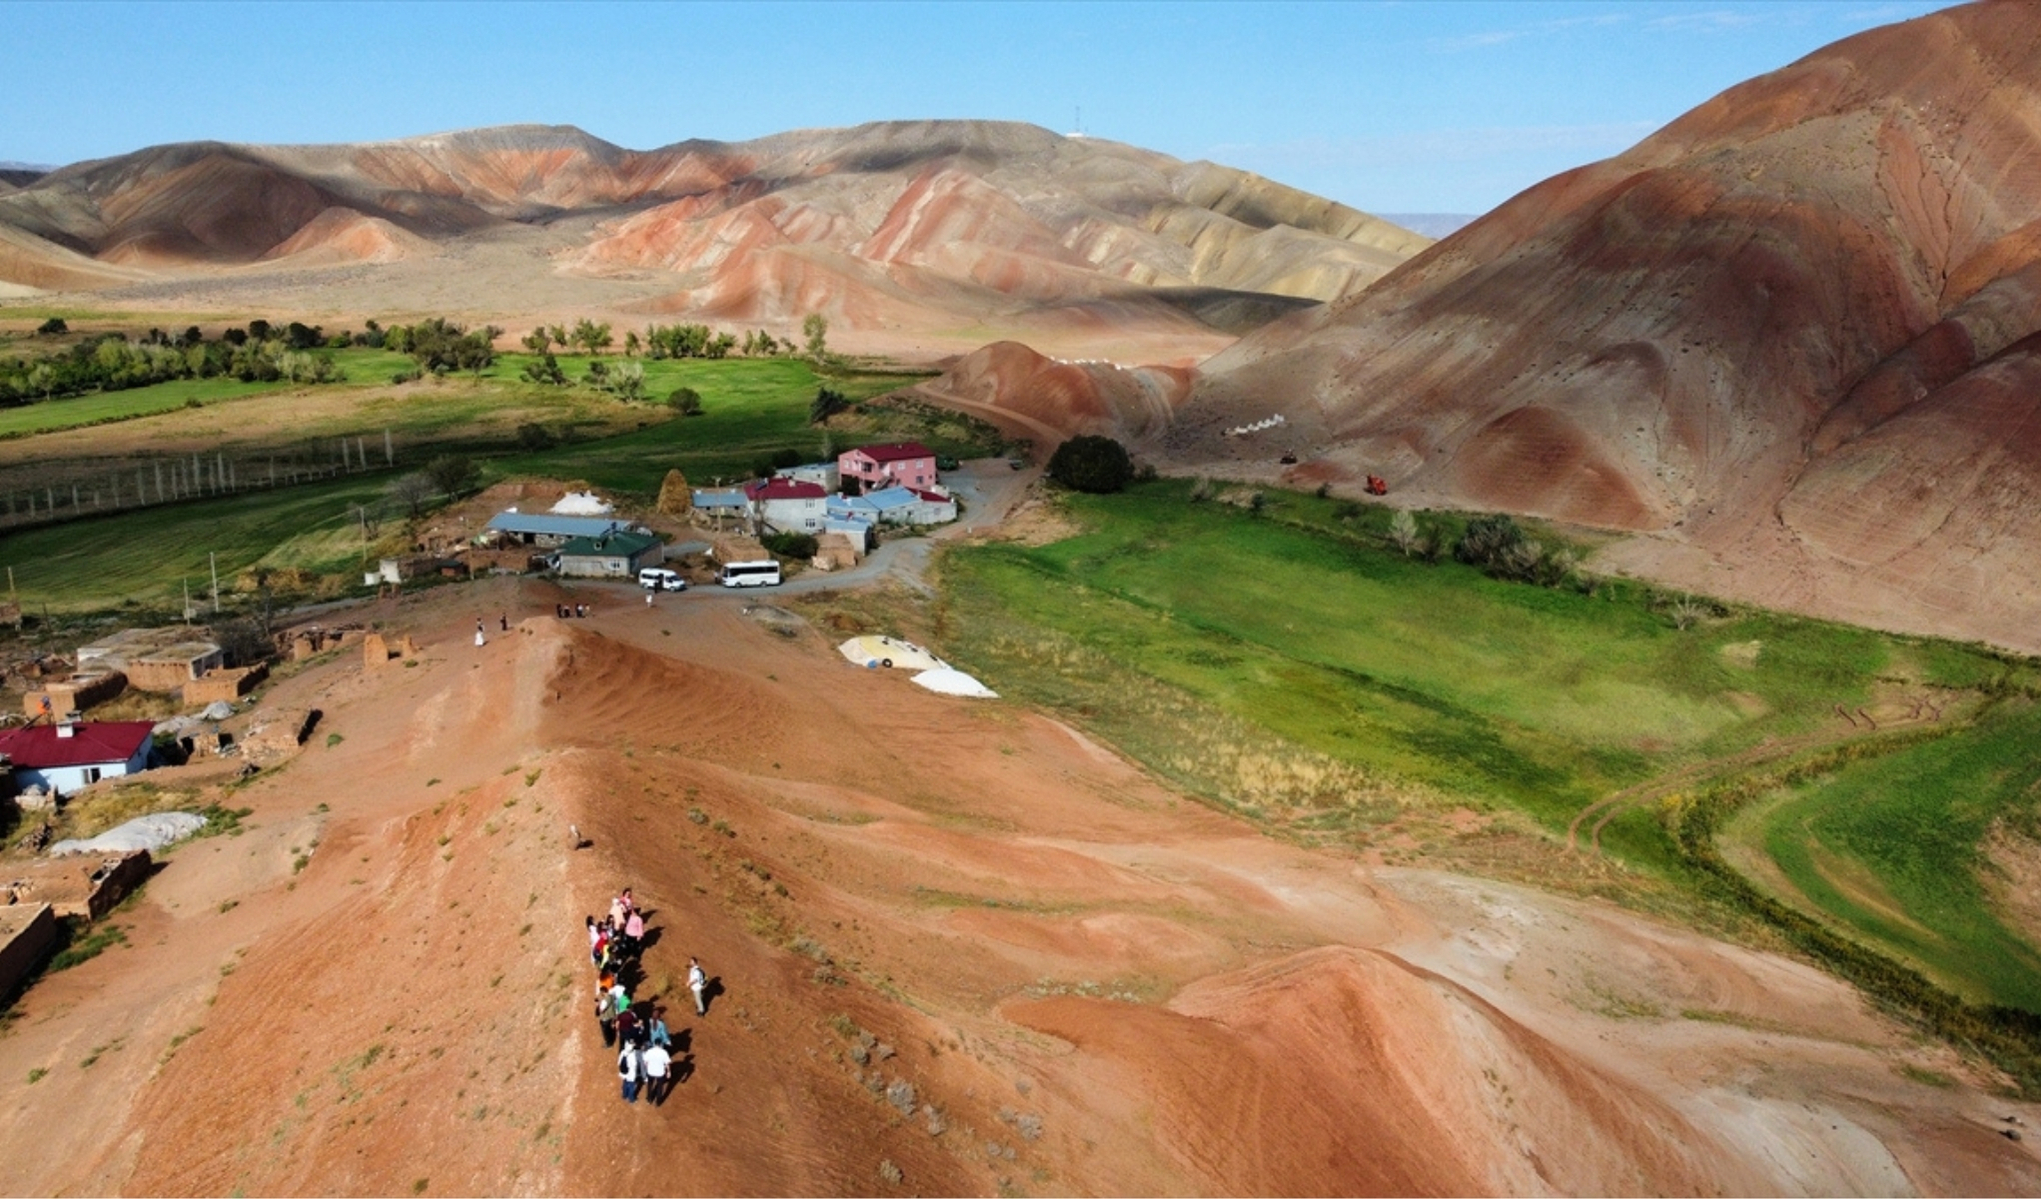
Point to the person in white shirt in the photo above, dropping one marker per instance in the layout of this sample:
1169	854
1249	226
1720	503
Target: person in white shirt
698	982
630	1068
658	1066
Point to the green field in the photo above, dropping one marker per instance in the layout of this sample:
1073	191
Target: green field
1889	849
1290	666
52	415
751	408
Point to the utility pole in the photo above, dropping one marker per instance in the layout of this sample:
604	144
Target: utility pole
215	560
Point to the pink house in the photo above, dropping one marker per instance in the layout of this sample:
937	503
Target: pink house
906	463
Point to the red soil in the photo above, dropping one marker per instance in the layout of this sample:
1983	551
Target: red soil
1090	984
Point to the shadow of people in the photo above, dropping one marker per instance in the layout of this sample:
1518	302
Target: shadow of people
647	941
683	1068
711	993
683	1041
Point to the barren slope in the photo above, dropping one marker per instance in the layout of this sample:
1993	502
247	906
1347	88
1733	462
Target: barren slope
891	230
1786	337
1072	980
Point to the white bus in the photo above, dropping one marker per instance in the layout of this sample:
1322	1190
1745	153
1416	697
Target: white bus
750	574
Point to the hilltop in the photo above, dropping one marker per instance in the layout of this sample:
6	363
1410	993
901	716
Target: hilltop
1787	344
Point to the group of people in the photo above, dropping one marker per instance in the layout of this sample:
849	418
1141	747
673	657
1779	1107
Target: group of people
638	1032
569	611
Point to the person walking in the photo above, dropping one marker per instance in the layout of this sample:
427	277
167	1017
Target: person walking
658	1067
606	1015
631	1069
504	620
698	982
627	1027
634	933
478	633
656	1034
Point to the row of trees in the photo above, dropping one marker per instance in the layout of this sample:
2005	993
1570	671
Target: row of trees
593	338
110	362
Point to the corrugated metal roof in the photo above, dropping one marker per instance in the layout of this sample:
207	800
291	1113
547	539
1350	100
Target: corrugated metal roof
546	524
616	545
38	746
893	451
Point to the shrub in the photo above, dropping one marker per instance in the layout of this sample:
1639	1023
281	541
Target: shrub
1488	541
828	402
52	327
534	437
686	401
790	545
1092	464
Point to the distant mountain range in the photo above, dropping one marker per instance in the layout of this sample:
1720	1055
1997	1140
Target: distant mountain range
932	224
1435	225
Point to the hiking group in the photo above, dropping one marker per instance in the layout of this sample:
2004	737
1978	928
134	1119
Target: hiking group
645	1047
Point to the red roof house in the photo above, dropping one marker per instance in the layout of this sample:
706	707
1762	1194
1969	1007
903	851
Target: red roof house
907	463
65	757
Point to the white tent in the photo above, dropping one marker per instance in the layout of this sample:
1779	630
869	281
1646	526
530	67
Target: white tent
947	681
885	651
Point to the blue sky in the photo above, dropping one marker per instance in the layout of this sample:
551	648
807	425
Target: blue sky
1390	107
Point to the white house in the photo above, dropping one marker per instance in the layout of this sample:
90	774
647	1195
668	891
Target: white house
789	505
826	474
64	757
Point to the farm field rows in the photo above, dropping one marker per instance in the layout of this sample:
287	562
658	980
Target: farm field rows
1328	665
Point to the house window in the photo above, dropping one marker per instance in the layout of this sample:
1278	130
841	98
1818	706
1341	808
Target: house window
91	774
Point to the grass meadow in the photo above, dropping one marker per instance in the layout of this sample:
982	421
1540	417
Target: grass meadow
1288	665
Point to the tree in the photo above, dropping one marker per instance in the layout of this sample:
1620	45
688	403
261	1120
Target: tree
816	329
1403	532
1488	540
545	370
627	381
453	475
827	403
414	491
595	338
686	401
538	341
1093	464
631	344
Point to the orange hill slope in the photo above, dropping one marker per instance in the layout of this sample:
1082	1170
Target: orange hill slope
962	949
926	223
1788	336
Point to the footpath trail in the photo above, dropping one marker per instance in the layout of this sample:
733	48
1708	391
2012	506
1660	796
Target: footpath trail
1602	811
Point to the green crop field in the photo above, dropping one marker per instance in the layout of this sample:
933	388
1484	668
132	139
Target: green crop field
1288	658
52	415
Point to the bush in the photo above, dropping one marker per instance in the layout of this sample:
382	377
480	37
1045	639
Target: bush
534	437
453	475
828	402
1093	464
52	327
790	545
686	401
1489	541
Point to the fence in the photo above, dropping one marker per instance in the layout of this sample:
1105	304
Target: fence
47	493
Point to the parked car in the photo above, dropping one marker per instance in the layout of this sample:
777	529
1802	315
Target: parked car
658	578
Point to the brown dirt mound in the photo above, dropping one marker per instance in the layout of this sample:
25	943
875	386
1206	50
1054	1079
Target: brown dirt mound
1051	400
342	235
